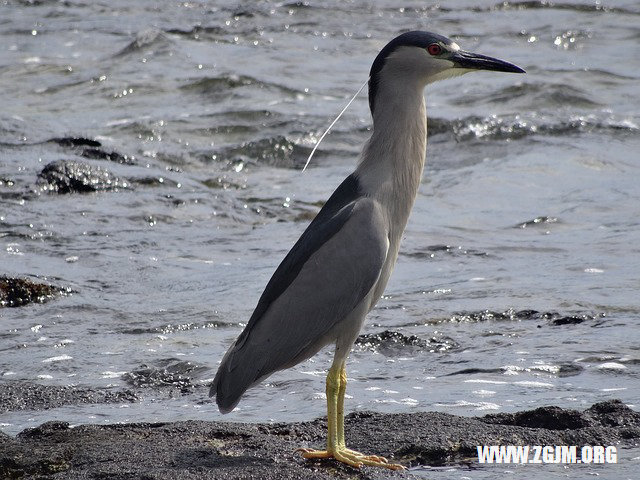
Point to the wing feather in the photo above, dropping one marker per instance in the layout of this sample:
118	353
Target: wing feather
349	250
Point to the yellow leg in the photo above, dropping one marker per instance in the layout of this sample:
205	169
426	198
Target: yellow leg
336	448
342	387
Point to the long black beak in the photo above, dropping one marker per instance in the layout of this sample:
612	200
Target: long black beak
475	61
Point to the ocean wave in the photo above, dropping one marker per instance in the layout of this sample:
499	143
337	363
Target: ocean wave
276	151
516	126
150	38
546	4
223	84
539	95
199	32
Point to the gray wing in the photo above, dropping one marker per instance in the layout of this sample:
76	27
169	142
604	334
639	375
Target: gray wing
341	263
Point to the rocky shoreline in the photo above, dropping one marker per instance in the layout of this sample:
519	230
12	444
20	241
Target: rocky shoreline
220	450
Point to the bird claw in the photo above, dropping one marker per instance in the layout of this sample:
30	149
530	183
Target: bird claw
350	457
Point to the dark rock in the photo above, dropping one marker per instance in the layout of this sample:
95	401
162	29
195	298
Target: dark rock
167	373
76	142
198	31
390	343
551	318
100	154
6	182
17	292
570	320
65	176
552	418
221	450
92	149
569	370
536	222
614	413
156	181
33	396
474	371
491	316
44	430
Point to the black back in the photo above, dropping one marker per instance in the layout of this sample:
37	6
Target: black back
327	223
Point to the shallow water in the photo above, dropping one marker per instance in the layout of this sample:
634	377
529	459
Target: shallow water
519	265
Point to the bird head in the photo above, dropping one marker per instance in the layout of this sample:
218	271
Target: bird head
418	58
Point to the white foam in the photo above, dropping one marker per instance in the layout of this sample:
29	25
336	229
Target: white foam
59	358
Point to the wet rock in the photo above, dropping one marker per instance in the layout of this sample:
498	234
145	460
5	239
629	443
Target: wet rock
92	149
100	154
45	430
17	292
614	413
569	370
156	182
538	221
167	373
488	315
568	320
551	318
199	32
563	370
558	319
76	142
552	418
6	182
32	396
221	450
391	344
65	176
474	371
599	417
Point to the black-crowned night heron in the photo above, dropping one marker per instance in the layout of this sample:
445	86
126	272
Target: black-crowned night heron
336	272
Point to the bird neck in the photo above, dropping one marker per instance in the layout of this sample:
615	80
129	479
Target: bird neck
392	160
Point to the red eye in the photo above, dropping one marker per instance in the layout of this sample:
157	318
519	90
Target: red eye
434	49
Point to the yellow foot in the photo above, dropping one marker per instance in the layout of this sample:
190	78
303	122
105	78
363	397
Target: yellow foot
351	457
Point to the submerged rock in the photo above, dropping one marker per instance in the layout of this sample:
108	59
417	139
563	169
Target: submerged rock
17	292
551	318
221	450
168	372
93	149
66	176
391	344
76	142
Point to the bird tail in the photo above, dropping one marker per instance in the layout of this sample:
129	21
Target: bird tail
254	356
236	374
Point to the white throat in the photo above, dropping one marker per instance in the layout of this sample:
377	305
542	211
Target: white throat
392	161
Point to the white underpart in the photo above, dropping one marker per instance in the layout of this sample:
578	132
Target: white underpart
450	73
392	161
